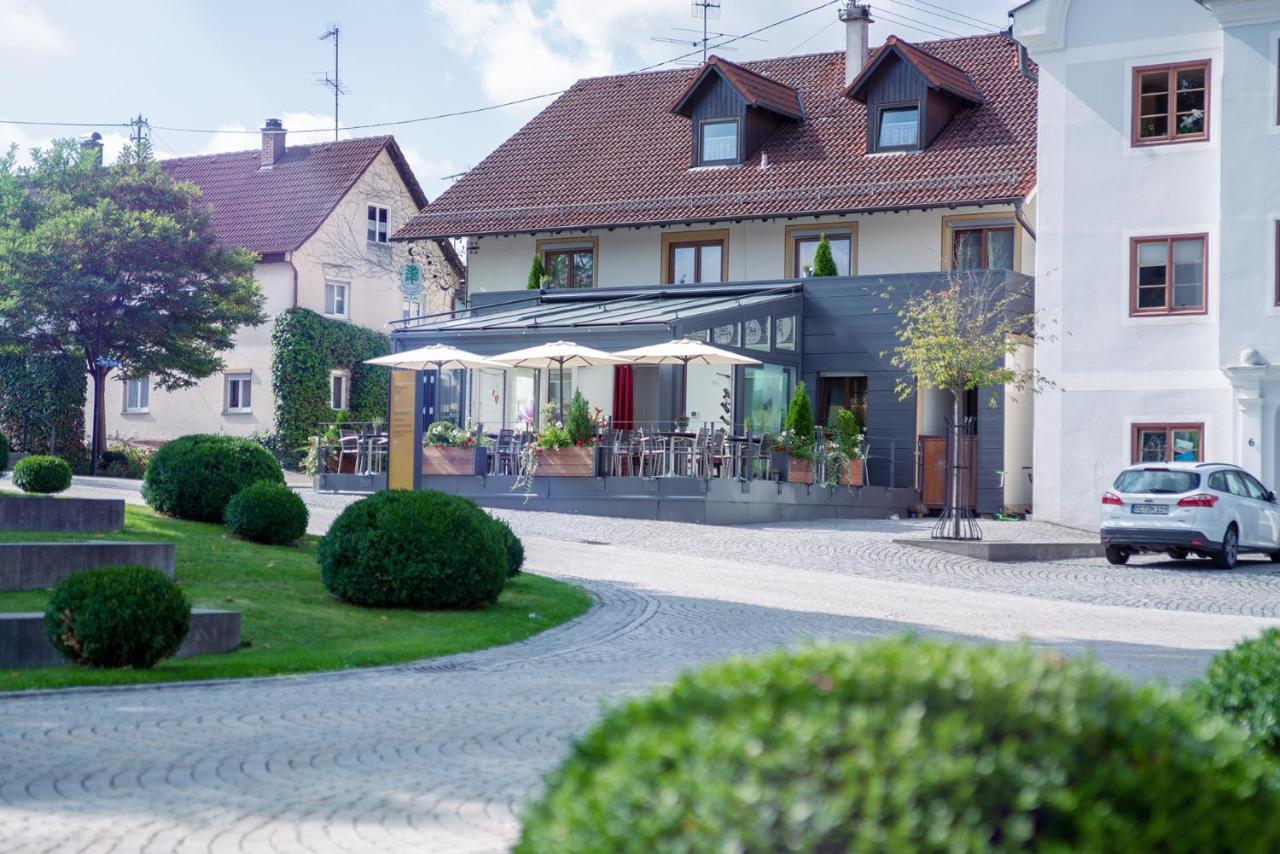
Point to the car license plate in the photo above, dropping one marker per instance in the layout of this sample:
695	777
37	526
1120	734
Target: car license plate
1151	509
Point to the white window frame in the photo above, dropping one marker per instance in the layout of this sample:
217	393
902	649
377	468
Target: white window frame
142	385
244	380
345	389
331	305
410	308
378	223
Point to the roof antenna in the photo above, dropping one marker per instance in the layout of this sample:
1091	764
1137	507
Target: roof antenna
707	10
334	83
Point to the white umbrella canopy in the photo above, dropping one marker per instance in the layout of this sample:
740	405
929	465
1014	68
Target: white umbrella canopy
434	356
558	354
685	351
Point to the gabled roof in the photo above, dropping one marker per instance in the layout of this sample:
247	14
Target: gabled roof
756	89
609	152
276	210
936	72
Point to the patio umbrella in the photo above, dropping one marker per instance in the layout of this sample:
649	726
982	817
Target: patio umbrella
684	352
558	354
437	356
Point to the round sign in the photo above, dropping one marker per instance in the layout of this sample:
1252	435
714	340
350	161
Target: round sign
411	279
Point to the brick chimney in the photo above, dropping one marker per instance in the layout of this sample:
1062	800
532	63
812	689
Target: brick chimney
857	38
92	145
272	143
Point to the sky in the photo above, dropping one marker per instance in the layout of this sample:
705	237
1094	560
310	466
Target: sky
207	73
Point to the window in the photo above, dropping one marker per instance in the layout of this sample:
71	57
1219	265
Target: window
726	335
410	308
897	128
1166	443
765	394
339	390
702	261
571	267
1168	275
784	333
336	298
841	252
137	394
719	143
560	391
836	393
238	392
1171	103
755	333
982	248
1165	482
377	230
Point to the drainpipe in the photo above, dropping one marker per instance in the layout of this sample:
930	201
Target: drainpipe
1024	65
1022	220
289	257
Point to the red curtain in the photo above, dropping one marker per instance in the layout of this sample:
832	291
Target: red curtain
624	403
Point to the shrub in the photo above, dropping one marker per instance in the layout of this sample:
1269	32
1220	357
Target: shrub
799	424
195	476
1243	684
4	452
267	512
117	616
41	474
536	273
908	745
578	420
823	263
414	549
513	546
124	462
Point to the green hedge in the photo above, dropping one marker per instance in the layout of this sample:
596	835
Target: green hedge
194	477
42	474
53	387
909	745
305	347
1243	684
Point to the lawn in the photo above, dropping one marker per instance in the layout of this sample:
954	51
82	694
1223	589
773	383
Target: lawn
290	623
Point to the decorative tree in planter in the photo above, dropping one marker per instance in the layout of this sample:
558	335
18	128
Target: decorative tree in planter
536	273
843	449
797	437
823	263
957	339
560	450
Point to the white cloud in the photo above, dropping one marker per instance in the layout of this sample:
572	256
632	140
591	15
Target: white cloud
25	27
430	172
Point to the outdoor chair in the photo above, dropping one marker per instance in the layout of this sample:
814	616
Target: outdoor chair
349	450
653	455
504	453
721	455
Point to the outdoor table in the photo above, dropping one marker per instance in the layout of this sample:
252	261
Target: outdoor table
673	435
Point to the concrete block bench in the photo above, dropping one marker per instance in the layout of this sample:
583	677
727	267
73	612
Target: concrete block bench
23	642
32	566
49	513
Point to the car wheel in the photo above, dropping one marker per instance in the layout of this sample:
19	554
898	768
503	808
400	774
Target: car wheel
1178	554
1117	556
1226	558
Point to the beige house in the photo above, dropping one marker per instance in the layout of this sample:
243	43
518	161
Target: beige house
320	217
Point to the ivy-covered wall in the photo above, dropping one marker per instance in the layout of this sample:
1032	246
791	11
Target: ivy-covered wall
51	387
305	348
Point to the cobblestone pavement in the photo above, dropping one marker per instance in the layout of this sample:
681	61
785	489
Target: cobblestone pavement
440	755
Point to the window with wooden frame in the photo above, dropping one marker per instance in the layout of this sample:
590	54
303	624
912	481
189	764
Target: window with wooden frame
695	261
1171	103
806	247
897	127
1168	274
570	267
982	248
718	142
1168	443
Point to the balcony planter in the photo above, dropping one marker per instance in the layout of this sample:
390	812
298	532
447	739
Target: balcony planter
450	460
791	469
567	462
851	473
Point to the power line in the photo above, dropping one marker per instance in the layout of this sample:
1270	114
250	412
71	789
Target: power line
929	24
919	28
994	27
973	26
67	124
820	31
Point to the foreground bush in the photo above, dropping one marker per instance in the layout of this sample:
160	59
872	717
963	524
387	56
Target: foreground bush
514	548
267	512
908	745
1243	684
41	474
414	549
117	616
4	452
194	477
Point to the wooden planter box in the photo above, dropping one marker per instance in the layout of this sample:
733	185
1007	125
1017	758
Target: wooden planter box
436	460
792	470
851	473
566	462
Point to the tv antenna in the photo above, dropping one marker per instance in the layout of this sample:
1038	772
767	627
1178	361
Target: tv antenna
707	10
334	82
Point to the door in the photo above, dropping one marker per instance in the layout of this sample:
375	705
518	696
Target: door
932	475
1268	524
1245	508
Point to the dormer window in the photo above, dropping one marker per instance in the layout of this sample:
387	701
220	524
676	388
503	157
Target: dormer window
719	142
898	128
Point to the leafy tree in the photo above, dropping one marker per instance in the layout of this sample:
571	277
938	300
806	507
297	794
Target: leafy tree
536	273
823	263
119	267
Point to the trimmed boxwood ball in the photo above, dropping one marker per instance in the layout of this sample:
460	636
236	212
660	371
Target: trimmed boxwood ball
194	477
267	512
117	616
414	549
908	745
513	546
1243	684
42	474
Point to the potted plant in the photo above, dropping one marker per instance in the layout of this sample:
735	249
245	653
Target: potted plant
795	444
682	421
448	449
850	440
561	450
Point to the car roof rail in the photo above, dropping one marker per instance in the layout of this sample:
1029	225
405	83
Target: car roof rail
1225	465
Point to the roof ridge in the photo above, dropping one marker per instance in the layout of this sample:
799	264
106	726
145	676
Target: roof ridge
385	136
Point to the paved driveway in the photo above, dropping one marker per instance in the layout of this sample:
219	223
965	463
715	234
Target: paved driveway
438	756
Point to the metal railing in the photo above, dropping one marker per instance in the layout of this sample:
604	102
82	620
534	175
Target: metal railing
351	447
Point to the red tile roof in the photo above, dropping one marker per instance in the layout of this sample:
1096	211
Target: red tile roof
277	209
756	89
609	152
938	74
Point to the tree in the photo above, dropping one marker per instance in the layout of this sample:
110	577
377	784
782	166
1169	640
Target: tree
957	338
799	422
536	273
823	263
120	267
578	422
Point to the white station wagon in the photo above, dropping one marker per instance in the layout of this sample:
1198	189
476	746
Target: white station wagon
1213	510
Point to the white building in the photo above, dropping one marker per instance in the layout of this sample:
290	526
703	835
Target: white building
1157	224
320	217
